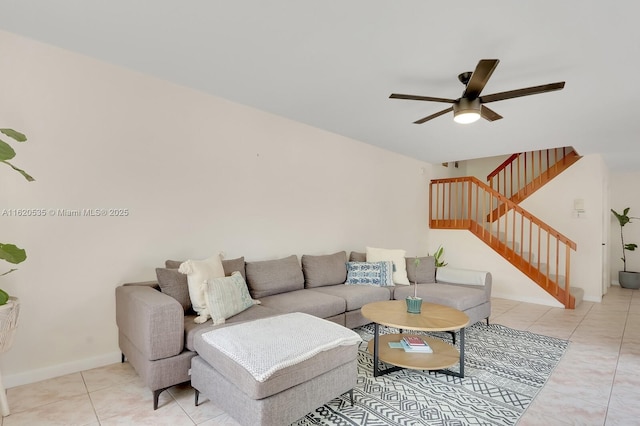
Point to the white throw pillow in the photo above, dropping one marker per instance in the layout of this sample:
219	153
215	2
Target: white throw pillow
395	256
227	296
198	272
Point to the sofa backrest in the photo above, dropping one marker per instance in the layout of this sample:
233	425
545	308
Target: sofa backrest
229	266
357	256
268	277
324	270
424	272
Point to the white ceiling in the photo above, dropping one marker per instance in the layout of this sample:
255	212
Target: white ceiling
332	64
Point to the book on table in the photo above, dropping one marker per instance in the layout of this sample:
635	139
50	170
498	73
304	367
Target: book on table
414	340
415	344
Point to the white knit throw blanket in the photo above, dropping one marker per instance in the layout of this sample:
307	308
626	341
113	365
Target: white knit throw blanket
267	345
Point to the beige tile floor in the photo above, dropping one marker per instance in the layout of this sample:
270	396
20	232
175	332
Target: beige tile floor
596	383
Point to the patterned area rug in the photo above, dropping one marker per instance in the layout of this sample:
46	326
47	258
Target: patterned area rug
504	370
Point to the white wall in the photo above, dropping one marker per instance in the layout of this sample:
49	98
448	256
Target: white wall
554	204
197	174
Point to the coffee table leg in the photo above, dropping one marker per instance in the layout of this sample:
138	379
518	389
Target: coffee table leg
375	349
462	352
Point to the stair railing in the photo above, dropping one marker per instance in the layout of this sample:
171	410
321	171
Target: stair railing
531	245
518	173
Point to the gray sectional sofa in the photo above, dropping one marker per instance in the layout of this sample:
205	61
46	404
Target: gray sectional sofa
157	334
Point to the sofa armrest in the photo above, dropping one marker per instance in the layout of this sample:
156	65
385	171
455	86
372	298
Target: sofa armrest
467	278
151	320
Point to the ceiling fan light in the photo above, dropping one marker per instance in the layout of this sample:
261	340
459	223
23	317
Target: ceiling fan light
466	111
465	117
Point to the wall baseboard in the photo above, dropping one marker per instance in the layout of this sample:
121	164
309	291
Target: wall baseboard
18	379
537	301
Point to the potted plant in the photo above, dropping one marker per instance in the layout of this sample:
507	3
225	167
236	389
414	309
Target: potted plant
627	279
10	252
438	257
9	306
414	303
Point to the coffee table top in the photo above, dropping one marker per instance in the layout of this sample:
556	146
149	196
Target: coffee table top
393	313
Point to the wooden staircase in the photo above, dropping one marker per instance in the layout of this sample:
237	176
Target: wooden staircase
524	173
494	216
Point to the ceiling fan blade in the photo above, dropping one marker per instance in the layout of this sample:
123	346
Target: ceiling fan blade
421	98
522	92
489	114
432	116
480	77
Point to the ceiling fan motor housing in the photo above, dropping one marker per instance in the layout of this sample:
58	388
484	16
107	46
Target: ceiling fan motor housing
466	110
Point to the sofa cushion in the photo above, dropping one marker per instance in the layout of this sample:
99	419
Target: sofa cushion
308	301
455	296
397	256
191	329
229	266
291	373
227	296
355	256
232	265
370	273
357	296
425	272
269	277
198	272
174	284
324	270
172	264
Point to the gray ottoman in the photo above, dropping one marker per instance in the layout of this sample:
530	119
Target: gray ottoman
273	371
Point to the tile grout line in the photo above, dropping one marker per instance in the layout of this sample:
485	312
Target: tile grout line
615	373
93	407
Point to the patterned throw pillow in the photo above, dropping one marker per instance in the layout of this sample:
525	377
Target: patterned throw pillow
370	273
227	297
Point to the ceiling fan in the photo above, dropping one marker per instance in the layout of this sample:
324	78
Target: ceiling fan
471	106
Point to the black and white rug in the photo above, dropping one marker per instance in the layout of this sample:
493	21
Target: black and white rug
504	370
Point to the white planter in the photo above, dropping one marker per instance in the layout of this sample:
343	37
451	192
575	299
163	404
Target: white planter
8	325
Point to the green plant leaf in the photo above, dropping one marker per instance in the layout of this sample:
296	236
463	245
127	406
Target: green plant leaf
12	254
6	152
26	175
623	219
4	297
630	246
14	135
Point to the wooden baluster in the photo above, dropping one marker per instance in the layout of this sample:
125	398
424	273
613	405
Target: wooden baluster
548	265
567	272
557	263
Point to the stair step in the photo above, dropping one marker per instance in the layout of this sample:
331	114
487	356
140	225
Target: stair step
578	294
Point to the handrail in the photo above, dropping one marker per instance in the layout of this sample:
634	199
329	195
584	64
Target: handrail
526	241
516	178
503	166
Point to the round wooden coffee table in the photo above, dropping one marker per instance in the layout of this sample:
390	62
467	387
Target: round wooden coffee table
433	317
